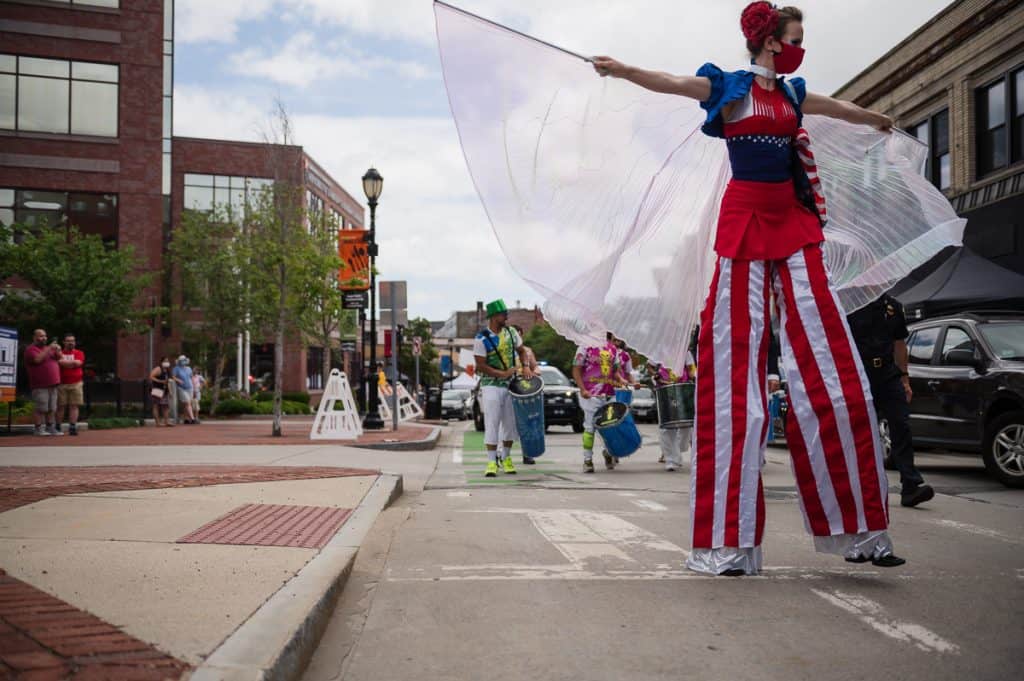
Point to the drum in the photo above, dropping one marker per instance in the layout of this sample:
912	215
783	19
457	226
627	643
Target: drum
528	404
675	405
624	395
615	423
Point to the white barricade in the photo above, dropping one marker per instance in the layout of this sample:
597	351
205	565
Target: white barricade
408	409
332	423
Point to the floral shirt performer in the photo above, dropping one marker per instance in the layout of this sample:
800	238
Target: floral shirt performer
495	350
769	241
596	371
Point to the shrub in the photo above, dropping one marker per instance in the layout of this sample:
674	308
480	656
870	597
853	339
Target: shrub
235	407
266	396
266	408
115	422
301	397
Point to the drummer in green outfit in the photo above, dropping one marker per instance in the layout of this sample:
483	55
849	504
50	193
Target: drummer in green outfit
495	349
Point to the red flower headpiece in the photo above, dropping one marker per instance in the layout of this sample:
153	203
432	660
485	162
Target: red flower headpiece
758	21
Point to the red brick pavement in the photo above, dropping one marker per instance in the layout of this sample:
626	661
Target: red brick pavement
43	637
22	485
307	527
240	432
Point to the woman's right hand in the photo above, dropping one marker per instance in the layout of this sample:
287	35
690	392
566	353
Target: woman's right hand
606	66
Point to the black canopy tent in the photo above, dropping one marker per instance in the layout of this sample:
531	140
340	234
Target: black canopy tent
965	281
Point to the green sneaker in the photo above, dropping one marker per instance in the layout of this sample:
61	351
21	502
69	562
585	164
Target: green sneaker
506	464
492	469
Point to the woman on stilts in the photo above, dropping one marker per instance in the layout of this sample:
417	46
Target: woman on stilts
769	243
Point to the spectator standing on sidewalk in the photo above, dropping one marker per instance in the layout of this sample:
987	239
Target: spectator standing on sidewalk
198	383
44	380
160	391
70	393
182	375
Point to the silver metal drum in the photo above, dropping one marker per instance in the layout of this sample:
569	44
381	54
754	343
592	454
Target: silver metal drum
675	405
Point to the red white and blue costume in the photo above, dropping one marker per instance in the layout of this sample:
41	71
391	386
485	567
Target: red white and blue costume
768	244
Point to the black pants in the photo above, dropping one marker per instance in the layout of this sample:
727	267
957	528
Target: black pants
891	403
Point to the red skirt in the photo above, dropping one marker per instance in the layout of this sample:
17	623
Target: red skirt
764	221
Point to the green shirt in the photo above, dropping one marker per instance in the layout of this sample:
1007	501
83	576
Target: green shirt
500	351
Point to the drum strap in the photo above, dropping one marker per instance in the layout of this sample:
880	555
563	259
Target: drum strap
492	344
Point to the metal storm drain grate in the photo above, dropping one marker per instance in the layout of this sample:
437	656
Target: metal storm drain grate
308	527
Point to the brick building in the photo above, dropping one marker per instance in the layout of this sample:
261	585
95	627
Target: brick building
958	84
86	137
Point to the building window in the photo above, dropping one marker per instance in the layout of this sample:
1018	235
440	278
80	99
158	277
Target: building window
315	369
934	132
114	4
59	96
36	210
204	192
1000	123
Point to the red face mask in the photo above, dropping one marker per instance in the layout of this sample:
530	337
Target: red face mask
789	59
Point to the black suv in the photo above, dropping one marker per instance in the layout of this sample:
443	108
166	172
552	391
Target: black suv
967	374
561	402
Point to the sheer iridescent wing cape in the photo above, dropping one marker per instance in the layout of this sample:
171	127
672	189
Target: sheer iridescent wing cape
604	196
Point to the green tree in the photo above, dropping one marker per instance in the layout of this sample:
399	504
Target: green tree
550	347
75	282
430	372
211	254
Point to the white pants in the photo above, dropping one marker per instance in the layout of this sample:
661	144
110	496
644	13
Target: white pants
499	417
674	441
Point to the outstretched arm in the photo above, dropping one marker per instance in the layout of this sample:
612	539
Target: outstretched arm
695	87
845	111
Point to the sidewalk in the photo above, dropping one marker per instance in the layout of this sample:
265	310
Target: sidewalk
225	567
240	432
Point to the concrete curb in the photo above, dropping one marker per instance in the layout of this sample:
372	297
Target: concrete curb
277	641
424	445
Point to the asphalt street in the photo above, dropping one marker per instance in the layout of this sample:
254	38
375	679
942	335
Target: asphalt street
552	574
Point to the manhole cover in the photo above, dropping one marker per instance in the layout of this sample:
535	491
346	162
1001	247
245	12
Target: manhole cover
309	527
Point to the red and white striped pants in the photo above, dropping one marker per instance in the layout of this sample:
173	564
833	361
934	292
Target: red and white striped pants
831	428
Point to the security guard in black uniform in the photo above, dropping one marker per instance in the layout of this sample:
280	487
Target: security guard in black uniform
880	331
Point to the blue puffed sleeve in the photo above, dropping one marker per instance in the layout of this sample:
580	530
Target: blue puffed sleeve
725	87
798	87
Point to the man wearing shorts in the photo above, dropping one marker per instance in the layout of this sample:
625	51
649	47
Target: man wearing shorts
43	379
70	393
495	350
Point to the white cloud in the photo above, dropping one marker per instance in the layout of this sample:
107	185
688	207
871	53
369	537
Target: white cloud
305	60
216	21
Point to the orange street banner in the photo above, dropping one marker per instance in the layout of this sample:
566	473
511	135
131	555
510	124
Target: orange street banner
354	274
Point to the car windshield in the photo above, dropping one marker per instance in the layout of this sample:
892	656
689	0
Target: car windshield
454	395
642	393
553	376
1006	339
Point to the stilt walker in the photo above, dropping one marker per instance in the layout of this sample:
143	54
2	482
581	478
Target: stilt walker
769	243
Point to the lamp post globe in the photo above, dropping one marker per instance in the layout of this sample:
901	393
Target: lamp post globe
373	185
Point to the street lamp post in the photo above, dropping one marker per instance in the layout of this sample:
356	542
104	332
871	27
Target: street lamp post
373	185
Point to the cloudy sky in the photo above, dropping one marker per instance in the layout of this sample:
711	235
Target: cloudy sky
362	82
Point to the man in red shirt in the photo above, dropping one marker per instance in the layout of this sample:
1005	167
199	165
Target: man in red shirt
43	378
70	393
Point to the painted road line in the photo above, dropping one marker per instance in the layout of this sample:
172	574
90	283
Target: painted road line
513	573
873	614
459	494
978	530
649	505
457	455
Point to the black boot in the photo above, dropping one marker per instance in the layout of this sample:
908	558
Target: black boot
918	495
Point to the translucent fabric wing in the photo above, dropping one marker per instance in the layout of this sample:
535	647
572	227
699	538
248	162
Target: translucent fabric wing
604	196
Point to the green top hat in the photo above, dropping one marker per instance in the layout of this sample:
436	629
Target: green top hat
496	307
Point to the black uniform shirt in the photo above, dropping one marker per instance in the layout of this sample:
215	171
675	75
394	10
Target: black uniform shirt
875	326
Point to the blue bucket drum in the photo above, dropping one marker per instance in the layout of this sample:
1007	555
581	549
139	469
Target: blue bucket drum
528	404
624	395
614	422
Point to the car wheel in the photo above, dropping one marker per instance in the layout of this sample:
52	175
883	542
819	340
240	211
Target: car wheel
478	419
1003	449
886	439
577	426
